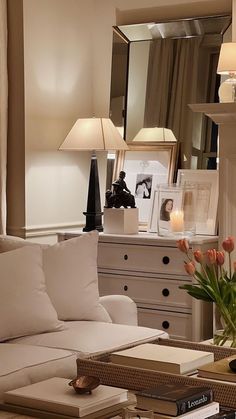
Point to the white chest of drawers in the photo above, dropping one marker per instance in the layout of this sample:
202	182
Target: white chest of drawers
150	269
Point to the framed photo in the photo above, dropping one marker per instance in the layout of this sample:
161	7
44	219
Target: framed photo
146	166
207	185
169	200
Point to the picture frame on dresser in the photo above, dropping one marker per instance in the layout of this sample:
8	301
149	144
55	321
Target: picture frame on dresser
160	199
207	185
146	164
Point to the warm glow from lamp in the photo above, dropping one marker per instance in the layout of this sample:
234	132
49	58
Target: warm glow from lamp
227	66
155	134
93	134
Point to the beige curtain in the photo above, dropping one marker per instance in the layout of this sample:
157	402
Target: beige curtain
171	86
3	113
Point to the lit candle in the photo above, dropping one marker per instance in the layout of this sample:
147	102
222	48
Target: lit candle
177	221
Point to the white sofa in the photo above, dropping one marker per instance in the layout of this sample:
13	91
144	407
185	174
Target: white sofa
29	356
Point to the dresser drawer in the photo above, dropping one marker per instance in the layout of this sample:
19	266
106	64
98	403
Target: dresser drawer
140	258
145	290
178	325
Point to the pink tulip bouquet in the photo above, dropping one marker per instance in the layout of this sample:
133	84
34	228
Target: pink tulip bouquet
214	283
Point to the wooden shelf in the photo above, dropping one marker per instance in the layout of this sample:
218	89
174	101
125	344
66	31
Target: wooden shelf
220	113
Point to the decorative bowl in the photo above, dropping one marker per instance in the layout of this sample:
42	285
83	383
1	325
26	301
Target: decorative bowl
84	384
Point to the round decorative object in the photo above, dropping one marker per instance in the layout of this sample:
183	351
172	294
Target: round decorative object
232	365
84	384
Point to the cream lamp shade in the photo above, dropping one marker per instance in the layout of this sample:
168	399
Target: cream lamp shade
155	134
227	66
93	134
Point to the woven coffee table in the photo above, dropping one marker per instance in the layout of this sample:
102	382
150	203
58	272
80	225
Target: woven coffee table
137	378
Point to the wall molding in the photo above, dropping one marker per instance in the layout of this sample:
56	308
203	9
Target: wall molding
42	230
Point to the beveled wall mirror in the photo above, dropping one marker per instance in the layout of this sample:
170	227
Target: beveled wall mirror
157	70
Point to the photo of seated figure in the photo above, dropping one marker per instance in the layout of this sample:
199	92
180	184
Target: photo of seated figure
143	186
166	208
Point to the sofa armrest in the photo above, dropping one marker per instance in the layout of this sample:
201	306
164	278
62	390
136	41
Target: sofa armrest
121	309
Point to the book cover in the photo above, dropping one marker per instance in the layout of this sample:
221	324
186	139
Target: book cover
162	358
218	370
174	399
224	414
54	395
200	413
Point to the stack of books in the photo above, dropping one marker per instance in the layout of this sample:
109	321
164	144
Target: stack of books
54	398
178	400
163	358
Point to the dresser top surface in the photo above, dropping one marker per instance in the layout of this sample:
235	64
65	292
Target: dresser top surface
141	238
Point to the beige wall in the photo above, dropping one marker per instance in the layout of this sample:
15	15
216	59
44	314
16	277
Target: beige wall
67	67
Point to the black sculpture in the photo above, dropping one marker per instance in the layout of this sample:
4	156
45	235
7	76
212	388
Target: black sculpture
120	196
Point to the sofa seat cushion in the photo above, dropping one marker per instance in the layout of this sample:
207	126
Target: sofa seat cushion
25	364
94	338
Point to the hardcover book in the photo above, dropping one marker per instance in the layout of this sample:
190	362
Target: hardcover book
218	370
162	358
174	399
224	414
54	395
200	413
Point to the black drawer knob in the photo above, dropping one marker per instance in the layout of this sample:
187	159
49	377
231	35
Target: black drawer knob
166	260
165	324
126	288
125	257
165	292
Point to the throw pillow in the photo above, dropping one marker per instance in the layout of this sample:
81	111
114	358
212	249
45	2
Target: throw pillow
8	243
25	307
70	269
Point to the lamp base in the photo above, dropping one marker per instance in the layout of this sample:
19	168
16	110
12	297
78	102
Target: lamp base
93	221
227	91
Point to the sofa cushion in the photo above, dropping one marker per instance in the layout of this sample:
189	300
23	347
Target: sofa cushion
70	269
8	243
25	306
25	364
93	338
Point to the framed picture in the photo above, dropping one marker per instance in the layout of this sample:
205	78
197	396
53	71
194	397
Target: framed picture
207	185
169	201
146	166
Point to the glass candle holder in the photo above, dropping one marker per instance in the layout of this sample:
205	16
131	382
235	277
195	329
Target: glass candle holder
176	210
135	413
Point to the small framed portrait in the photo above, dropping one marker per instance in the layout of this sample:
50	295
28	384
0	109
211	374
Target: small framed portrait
206	183
166	200
146	165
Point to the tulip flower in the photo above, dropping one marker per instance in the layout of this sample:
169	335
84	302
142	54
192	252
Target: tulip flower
190	268
228	244
220	258
211	256
198	256
212	282
183	245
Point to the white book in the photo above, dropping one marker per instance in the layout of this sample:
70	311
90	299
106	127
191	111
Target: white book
54	395
162	358
200	413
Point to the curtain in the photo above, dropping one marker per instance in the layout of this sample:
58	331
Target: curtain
3	113
171	86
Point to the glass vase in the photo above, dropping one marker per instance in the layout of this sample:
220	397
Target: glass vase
227	334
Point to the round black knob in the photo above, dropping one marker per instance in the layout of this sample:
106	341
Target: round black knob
125	257
166	260
165	324
165	292
126	288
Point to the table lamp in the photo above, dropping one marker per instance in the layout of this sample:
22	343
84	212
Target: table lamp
155	134
95	134
227	66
